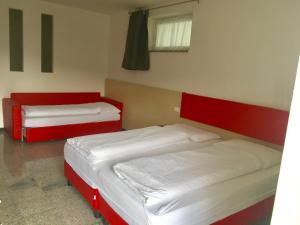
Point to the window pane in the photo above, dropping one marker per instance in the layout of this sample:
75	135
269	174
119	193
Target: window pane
173	33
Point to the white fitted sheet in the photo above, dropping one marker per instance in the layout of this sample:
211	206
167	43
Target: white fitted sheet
203	207
87	170
65	120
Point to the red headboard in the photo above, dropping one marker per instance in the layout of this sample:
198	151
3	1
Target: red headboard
55	98
259	122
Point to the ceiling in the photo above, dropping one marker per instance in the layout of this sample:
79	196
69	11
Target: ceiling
111	6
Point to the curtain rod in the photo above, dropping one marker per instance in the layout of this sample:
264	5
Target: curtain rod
165	6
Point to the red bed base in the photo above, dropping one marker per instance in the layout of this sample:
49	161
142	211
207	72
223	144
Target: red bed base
92	196
255	121
246	216
12	116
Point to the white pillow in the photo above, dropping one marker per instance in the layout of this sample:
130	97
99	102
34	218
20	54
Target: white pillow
268	156
104	107
195	134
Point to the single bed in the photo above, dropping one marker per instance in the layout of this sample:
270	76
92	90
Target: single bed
214	181
212	204
228	115
46	119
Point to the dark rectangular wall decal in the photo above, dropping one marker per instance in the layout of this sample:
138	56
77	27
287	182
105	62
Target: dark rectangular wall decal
16	39
47	43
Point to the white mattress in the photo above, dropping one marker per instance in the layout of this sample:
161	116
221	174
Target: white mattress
87	170
68	109
65	120
203	207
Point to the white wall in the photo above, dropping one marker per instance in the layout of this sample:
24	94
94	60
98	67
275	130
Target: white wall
287	201
243	50
81	40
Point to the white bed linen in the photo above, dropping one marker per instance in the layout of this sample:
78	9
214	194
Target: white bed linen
197	208
160	179
88	170
101	147
68	109
203	207
88	142
65	120
268	156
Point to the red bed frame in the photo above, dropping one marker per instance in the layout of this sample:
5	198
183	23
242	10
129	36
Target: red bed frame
12	116
255	121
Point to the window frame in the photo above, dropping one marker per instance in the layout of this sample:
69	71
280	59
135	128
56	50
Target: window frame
153	32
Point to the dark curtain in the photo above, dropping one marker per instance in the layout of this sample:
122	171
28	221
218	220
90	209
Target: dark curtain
136	56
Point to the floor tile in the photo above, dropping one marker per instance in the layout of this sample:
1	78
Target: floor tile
49	217
34	206
26	194
9	213
33	189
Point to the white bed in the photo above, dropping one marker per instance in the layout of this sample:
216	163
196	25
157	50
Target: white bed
195	206
57	115
158	180
87	167
64	120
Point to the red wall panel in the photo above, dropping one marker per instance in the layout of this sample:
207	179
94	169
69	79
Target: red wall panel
259	122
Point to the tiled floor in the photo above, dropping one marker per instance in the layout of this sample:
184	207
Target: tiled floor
33	190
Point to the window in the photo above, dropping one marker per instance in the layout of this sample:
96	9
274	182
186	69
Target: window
171	33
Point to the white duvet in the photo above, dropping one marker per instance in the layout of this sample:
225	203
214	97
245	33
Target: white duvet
103	147
158	180
68	109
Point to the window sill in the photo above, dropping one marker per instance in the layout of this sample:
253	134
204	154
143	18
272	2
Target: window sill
183	51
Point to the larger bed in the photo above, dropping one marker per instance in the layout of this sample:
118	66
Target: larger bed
119	204
82	167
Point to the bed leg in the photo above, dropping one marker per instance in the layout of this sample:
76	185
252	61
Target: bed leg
69	183
23	133
97	214
104	222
